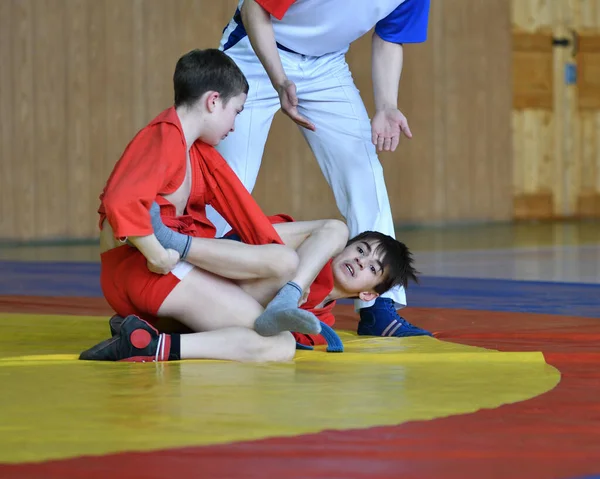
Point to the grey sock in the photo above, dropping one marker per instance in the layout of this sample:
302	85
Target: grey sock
166	236
283	314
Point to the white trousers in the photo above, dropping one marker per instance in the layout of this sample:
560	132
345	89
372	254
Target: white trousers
341	143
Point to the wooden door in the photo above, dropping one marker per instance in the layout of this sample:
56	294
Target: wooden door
556	108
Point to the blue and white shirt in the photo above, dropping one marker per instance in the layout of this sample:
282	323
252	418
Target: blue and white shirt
318	27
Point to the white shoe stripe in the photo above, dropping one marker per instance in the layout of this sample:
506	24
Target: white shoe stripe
390	326
160	339
395	329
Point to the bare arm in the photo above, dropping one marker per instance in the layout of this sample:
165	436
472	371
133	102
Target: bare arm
257	22
159	259
386	68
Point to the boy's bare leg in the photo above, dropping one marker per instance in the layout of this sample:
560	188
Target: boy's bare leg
238	344
260	270
315	242
222	316
228	258
203	301
225	315
138	341
240	261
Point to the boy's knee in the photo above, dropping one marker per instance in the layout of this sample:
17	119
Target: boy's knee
285	348
337	229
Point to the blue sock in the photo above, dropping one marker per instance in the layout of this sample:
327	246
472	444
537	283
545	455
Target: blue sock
168	238
283	314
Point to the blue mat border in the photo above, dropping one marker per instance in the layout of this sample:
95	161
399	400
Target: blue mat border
81	279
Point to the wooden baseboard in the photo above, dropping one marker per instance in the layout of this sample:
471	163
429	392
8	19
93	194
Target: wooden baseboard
534	206
588	205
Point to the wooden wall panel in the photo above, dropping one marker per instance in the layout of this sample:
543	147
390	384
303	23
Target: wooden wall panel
537	89
498	109
588	65
532	15
79	182
24	108
534	171
50	118
290	180
532	70
585	19
8	213
478	67
86	75
99	162
588	201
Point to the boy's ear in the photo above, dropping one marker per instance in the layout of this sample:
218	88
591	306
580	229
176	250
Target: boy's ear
211	100
367	296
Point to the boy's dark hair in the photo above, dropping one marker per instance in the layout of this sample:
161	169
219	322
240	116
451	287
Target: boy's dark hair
396	259
200	71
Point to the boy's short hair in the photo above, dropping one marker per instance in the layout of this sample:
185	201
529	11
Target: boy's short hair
397	260
200	71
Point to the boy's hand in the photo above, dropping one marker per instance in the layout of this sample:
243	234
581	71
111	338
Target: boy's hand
165	263
386	127
289	104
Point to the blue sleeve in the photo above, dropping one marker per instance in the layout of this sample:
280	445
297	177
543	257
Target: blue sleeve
406	24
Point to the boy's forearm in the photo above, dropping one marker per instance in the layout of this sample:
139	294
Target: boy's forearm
257	22
152	250
386	69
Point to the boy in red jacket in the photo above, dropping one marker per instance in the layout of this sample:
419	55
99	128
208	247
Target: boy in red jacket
241	297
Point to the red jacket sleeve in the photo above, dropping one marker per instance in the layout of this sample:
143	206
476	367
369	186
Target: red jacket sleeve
277	8
232	200
151	162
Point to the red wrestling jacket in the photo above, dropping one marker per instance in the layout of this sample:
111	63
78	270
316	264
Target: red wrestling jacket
154	165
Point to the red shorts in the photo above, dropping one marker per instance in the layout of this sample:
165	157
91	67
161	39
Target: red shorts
130	288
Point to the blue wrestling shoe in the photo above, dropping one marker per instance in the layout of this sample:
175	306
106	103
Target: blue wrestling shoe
382	319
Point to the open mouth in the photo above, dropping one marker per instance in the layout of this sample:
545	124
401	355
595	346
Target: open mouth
350	269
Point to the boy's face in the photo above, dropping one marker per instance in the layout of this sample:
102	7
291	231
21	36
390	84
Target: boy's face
357	270
221	120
